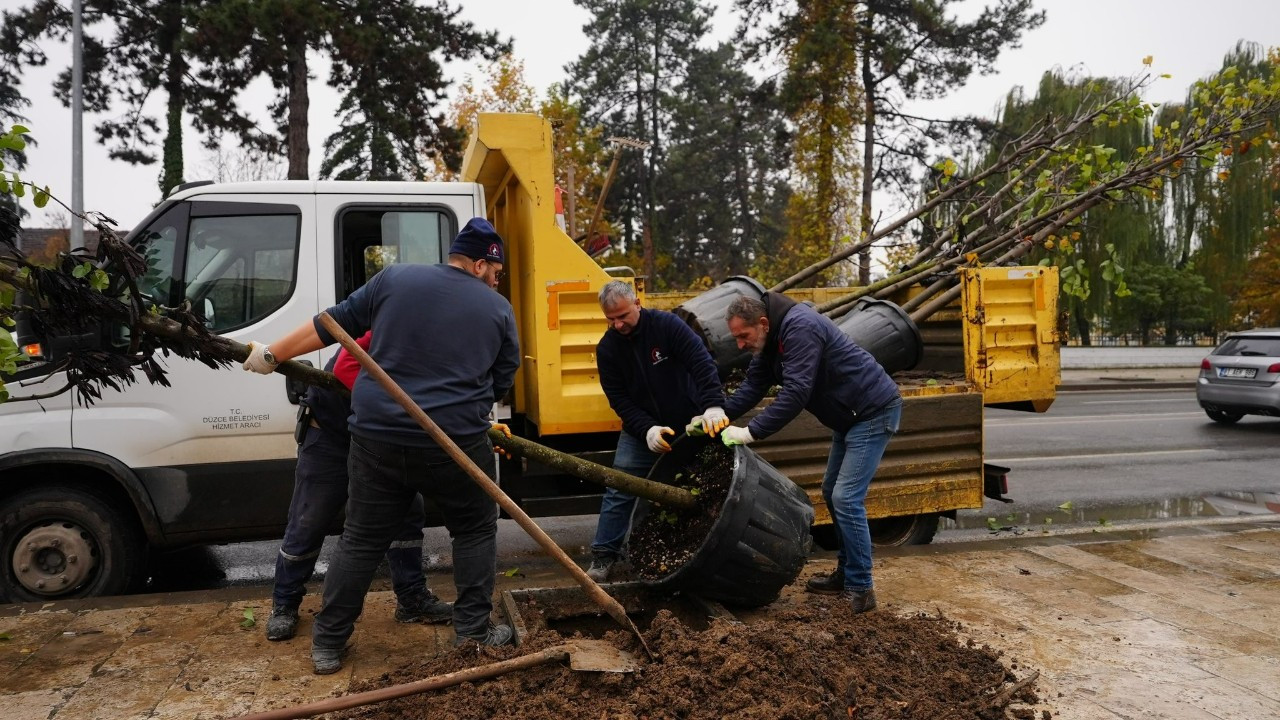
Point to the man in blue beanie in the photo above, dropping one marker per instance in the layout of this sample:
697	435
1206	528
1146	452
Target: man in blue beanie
455	364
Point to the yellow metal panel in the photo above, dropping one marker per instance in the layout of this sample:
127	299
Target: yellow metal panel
1010	333
551	282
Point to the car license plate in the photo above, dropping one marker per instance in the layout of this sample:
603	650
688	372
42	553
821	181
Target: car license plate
1237	372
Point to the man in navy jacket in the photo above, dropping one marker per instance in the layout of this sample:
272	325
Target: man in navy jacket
820	370
656	373
450	342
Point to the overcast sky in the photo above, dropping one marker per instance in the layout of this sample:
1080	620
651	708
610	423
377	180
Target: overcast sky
1188	39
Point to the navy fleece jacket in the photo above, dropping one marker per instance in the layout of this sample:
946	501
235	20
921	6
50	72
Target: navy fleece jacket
659	374
820	369
444	336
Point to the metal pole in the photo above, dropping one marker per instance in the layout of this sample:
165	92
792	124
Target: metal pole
573	203
77	126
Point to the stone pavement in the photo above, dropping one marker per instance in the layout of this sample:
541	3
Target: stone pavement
1181	624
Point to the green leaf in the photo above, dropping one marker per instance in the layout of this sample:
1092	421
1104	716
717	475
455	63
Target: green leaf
6	637
695	492
931	382
20	130
82	269
993	524
513	572
42	197
19	189
98	280
1066	506
248	621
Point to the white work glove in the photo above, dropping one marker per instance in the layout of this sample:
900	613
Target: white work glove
655	440
714	420
734	435
260	359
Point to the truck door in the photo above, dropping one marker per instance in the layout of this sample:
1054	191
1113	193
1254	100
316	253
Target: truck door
216	451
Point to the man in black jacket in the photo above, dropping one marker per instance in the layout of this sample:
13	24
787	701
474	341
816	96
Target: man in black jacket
656	373
820	370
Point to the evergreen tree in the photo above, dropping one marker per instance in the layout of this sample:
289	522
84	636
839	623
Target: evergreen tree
626	80
388	58
723	188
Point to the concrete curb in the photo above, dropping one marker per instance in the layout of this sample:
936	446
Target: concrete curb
1128	385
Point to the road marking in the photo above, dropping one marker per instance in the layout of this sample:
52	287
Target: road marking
1091	456
1133	402
1077	419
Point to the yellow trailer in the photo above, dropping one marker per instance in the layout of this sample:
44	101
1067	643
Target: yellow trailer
997	346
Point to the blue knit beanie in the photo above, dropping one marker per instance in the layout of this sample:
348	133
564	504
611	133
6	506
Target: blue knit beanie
479	241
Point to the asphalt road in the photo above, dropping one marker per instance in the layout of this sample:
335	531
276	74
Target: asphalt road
1096	458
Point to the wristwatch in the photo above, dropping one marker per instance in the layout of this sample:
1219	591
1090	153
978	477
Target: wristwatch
266	355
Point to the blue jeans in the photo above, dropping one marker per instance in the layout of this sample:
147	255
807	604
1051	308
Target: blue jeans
634	458
384	479
854	457
319	492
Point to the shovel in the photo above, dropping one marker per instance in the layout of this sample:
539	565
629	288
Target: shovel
582	654
594	591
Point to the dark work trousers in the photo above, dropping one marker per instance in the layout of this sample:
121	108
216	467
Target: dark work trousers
384	479
319	494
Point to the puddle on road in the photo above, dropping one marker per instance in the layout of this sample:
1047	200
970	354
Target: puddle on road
1223	504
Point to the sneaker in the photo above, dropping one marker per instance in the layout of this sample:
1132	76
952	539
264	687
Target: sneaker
491	635
601	567
327	661
423	608
831	584
861	600
283	623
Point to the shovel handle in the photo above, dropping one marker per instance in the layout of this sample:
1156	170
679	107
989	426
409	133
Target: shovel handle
594	591
482	672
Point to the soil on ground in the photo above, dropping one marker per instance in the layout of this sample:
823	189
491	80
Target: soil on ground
809	659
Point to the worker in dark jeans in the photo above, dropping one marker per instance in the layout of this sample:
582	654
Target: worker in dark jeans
820	370
656	373
319	494
454	363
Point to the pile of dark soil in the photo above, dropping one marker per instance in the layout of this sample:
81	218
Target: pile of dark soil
665	539
812	660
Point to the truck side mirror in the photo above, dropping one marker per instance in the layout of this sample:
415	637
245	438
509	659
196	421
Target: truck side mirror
294	389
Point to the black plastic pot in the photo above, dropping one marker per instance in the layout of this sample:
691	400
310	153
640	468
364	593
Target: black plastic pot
884	330
706	315
759	543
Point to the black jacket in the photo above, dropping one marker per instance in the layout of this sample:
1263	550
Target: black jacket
660	374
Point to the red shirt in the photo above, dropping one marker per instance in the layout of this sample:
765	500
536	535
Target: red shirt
346	367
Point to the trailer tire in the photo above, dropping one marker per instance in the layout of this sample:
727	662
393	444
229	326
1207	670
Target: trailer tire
904	530
59	543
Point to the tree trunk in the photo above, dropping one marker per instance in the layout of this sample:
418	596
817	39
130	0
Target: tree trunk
868	152
175	72
299	105
666	495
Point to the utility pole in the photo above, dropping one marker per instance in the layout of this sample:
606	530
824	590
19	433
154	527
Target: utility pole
77	126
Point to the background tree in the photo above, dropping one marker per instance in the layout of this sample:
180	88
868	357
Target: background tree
816	40
723	192
14	44
503	89
918	50
388	59
625	81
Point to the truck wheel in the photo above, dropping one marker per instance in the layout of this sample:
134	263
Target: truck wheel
1225	418
58	543
904	529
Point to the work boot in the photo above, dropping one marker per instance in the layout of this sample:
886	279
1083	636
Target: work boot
861	600
283	623
489	635
832	584
327	661
423	607
600	568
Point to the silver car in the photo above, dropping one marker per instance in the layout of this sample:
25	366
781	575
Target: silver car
1242	377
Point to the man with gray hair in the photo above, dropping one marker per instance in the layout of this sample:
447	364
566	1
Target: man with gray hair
820	370
656	373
